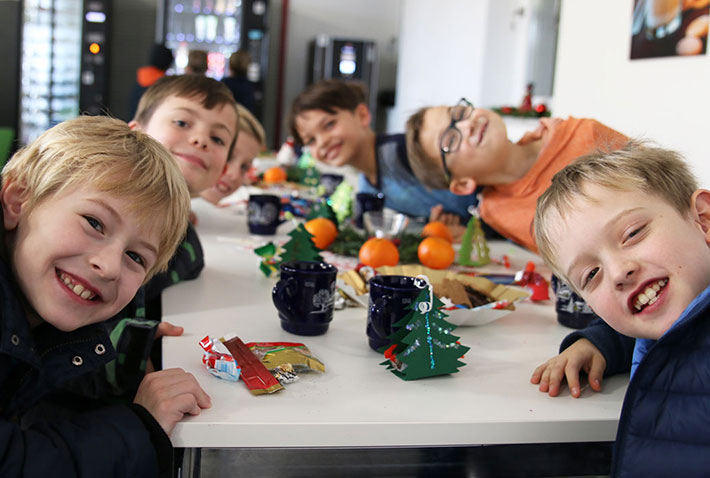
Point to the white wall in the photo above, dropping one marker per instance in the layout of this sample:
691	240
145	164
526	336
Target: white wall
664	99
376	20
450	48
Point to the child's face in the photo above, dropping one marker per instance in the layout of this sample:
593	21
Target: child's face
334	139
484	143
637	262
235	174
79	256
197	137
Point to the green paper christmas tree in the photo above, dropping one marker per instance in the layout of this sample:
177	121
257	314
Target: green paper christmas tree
474	249
300	247
341	201
423	345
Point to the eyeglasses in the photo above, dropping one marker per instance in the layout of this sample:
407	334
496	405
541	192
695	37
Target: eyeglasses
451	139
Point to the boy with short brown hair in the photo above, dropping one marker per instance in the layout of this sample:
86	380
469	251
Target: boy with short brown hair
90	211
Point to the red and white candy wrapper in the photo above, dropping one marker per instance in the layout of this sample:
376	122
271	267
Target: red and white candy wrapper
218	360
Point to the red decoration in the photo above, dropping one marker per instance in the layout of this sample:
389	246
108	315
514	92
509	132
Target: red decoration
534	282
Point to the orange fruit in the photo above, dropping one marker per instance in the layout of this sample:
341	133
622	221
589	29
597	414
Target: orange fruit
378	252
437	229
436	253
323	230
275	175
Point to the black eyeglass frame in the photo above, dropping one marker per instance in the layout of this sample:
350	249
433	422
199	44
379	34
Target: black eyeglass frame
460	111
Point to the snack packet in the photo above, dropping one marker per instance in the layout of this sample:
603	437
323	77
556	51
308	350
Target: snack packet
273	354
256	377
218	360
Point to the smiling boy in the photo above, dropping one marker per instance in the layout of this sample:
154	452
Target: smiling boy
462	148
90	211
630	232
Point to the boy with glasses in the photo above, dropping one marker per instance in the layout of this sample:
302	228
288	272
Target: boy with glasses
331	117
462	148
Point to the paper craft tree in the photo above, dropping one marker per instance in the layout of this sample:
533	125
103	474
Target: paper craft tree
424	346
269	258
341	201
474	249
300	247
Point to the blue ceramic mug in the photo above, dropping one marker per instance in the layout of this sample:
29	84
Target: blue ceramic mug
263	214
367	202
304	296
391	298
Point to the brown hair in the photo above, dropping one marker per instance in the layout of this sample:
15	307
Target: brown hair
428	170
209	92
110	157
239	62
637	166
196	62
328	96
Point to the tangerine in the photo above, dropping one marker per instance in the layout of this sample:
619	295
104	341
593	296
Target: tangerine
376	252
275	175
436	253
323	230
438	229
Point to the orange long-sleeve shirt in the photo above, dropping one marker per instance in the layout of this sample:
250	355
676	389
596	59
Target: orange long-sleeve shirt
510	208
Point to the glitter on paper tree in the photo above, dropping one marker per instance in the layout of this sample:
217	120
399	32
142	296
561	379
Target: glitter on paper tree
300	247
474	249
341	201
423	345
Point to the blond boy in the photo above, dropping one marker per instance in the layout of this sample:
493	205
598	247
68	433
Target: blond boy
630	232
91	210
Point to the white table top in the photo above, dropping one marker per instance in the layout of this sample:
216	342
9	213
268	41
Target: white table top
357	402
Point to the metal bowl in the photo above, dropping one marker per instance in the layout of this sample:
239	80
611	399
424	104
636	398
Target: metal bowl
386	223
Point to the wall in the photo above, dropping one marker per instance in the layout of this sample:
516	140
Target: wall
368	19
664	99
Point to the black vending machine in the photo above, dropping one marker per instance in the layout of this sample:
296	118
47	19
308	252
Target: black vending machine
344	58
63	62
219	27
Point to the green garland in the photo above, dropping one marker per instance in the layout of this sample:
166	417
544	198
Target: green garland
349	242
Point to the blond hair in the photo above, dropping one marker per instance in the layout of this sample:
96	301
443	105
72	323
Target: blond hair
250	125
637	166
107	155
428	170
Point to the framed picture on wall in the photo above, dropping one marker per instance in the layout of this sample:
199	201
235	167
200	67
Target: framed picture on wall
669	28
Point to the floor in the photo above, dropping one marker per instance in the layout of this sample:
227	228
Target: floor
546	460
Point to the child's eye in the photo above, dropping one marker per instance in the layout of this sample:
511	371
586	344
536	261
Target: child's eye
218	140
95	223
180	123
329	124
135	257
634	233
590	276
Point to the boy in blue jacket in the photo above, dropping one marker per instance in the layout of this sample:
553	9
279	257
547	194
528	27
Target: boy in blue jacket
90	211
630	232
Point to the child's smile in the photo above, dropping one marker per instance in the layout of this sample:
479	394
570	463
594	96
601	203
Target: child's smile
635	259
78	287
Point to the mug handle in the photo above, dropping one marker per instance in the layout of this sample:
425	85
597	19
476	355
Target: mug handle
379	312
282	295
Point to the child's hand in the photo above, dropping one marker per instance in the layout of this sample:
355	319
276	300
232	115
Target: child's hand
169	394
452	221
164	329
581	355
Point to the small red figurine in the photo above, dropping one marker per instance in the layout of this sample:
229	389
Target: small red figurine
534	282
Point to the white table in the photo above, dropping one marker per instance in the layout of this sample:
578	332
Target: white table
358	403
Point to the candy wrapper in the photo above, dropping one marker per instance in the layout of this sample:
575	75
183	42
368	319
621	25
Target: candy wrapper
256	377
218	360
274	354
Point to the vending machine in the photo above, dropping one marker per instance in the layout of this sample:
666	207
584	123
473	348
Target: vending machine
344	58
219	27
63	62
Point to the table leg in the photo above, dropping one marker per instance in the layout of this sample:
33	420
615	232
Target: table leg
190	464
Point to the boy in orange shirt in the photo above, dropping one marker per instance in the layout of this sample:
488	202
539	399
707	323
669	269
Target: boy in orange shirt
461	147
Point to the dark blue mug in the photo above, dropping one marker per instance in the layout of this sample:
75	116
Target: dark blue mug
572	310
304	296
391	298
263	214
330	182
367	202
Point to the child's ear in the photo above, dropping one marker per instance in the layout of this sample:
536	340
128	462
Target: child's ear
700	209
135	125
12	197
463	186
362	112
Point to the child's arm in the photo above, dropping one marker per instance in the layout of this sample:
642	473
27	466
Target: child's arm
597	350
170	394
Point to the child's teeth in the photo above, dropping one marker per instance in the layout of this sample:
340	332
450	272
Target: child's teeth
643	298
86	294
78	289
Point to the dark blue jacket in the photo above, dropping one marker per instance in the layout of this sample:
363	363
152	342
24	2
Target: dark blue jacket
664	429
115	441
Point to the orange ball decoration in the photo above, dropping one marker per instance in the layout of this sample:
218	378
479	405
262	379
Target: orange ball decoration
438	229
324	231
436	253
274	175
378	252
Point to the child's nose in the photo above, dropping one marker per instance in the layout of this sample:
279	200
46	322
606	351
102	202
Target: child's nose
625	275
106	262
199	139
